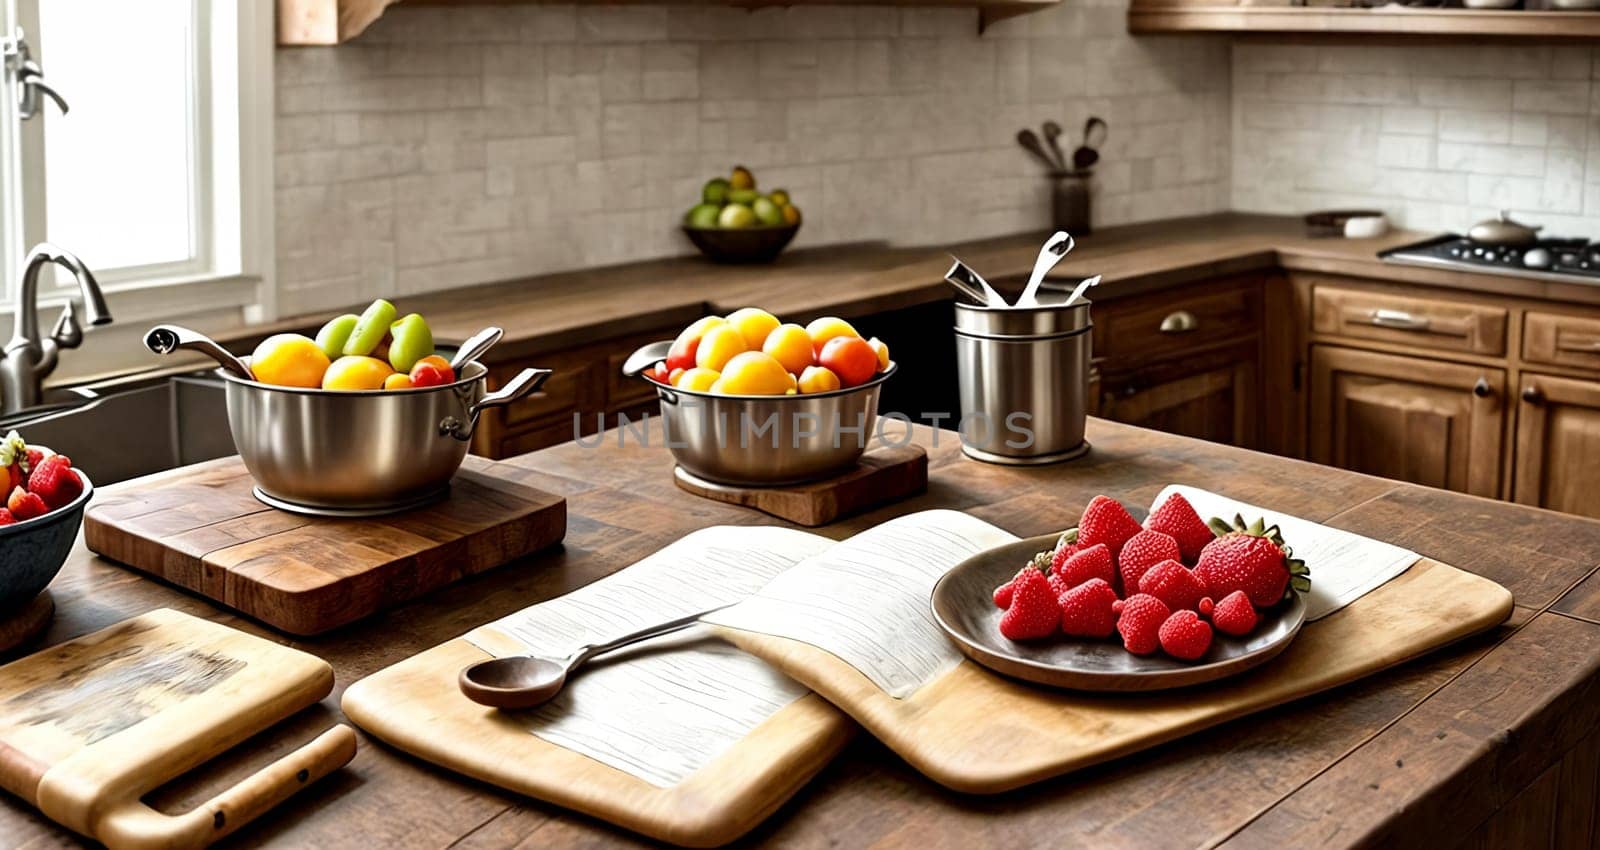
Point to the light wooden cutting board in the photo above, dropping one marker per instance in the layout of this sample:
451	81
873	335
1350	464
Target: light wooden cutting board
90	726
416	706
978	732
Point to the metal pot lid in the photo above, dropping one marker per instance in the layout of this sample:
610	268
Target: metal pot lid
1503	231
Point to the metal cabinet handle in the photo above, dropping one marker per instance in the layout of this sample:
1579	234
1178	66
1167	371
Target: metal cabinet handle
1481	388
1532	395
1179	322
1397	319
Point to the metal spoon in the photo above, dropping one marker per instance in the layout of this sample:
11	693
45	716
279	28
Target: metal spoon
524	681
475	346
1050	253
972	284
165	339
1082	287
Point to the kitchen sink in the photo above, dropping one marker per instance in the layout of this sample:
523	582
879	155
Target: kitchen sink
119	431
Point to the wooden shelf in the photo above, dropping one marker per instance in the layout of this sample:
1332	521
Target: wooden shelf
1149	17
330	22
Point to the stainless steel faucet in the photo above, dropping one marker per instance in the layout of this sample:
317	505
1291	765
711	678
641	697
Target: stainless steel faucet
27	359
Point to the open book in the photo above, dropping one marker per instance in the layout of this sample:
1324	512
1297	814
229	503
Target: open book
663	710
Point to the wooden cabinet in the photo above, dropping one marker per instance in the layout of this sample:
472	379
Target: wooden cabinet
1212	397
1415	419
1557	462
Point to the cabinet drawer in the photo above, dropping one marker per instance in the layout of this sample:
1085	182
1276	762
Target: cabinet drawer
621	391
572	386
1145	331
1432	323
1561	340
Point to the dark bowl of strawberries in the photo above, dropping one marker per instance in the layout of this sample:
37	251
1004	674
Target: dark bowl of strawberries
40	521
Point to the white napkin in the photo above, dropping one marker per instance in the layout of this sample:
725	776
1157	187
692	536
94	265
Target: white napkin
1344	566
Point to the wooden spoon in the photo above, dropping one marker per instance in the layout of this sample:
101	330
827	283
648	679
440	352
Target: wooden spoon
524	681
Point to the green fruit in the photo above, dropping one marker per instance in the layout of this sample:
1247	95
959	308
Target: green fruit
335	334
715	191
371	329
767	212
702	215
743	196
735	216
779	197
412	341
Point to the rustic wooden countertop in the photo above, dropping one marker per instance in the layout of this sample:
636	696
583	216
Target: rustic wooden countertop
1422	755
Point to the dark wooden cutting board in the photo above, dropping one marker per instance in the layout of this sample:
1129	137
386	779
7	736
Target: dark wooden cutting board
200	528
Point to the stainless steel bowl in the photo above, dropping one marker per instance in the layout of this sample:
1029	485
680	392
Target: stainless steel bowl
769	440
360	453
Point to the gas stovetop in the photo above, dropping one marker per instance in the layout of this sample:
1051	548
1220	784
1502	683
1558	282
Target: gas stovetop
1574	260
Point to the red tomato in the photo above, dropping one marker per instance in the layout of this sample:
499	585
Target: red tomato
659	373
851	358
427	375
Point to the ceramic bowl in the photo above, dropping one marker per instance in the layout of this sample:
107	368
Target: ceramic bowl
32	552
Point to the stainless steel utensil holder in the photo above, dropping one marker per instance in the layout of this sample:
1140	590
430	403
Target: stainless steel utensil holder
1023	375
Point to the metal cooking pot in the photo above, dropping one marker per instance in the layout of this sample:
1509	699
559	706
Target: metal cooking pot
1504	231
360	453
769	440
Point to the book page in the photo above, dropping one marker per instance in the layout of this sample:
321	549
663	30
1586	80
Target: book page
666	707
1344	566
866	600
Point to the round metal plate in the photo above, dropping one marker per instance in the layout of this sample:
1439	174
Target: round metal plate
964	607
348	513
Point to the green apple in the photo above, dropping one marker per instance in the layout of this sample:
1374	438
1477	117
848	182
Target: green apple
702	216
743	196
715	191
767	212
735	216
370	330
335	334
411	340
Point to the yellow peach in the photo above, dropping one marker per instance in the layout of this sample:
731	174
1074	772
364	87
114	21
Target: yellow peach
718	346
289	360
697	379
818	379
826	328
754	325
791	346
356	372
753	373
880	348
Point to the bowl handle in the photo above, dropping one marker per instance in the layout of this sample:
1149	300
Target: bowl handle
526	382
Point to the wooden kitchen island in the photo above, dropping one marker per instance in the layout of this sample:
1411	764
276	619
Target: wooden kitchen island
1488	743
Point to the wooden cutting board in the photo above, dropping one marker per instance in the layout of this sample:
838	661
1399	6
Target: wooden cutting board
978	732
200	528
90	726
885	474
416	706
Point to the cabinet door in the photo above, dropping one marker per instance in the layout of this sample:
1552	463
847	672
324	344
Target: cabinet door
1210	398
1558	444
1415	419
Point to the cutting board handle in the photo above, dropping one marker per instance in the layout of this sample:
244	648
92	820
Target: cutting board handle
132	825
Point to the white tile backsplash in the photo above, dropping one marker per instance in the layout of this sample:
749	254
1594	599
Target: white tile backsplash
465	144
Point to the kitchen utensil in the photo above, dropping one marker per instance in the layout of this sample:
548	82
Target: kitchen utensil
1503	231
474	348
743	244
1057	246
971	284
1022	376
645	357
165	339
1069	201
90	726
884	474
1052	137
524	681
770	440
1083	286
201	528
1088	152
360	453
1030	143
963	607
32	551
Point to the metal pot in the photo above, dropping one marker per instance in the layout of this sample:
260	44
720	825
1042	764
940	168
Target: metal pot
769	440
1503	231
360	453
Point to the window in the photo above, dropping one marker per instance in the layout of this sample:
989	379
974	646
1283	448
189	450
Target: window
159	175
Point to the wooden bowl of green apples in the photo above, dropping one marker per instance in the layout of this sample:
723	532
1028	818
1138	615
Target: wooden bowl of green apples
736	223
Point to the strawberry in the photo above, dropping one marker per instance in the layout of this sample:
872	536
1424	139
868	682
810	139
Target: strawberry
1066	547
25	506
36	455
1139	619
1173	583
1088	610
1185	636
1251	558
1106	521
6	518
1177	519
1003	593
1091	563
1234	615
1035	612
1143	551
55	481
